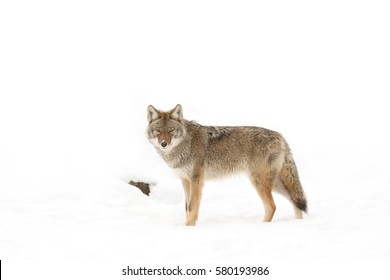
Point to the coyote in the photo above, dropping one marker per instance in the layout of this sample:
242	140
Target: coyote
197	153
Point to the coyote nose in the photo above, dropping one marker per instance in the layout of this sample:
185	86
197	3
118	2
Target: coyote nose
163	143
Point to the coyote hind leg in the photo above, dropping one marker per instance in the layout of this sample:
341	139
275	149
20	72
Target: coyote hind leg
298	212
263	186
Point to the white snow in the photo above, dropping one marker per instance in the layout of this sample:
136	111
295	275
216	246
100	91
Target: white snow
77	77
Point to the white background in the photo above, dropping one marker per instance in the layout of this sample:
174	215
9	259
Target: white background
76	78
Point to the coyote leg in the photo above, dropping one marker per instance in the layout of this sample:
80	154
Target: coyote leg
197	182
187	191
298	212
269	204
263	186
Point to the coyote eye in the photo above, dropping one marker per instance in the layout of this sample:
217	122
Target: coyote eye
157	129
171	129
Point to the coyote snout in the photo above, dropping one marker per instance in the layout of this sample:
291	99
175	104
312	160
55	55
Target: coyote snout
164	144
197	153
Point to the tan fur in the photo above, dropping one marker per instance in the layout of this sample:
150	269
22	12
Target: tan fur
197	153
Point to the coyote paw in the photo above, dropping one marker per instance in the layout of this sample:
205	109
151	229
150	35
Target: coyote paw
190	223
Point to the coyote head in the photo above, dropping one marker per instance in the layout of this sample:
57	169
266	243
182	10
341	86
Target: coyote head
165	129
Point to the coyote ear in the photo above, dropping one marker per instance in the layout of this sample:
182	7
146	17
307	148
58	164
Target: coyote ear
177	113
152	114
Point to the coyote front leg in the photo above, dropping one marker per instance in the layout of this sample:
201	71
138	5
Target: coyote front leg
196	186
187	191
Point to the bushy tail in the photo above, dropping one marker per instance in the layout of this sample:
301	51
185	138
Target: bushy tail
290	179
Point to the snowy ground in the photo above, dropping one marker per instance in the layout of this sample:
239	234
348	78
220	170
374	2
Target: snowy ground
76	79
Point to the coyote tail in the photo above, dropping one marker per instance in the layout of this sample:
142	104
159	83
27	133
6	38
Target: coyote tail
290	179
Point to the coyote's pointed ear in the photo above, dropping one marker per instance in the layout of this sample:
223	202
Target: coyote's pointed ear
152	114
177	113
